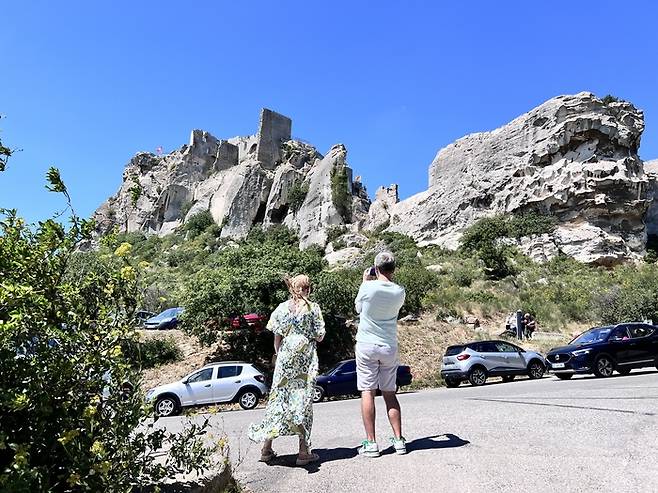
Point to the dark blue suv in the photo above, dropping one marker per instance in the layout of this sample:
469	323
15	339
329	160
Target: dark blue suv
602	350
341	380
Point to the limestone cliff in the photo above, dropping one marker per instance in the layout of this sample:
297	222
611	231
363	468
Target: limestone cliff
267	178
575	157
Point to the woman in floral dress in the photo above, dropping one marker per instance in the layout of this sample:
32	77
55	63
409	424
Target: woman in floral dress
298	327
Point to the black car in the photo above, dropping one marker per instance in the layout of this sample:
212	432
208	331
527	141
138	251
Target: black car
602	350
341	380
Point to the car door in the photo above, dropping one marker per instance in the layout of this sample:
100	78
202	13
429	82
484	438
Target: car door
642	345
619	345
488	353
512	358
343	381
227	382
199	388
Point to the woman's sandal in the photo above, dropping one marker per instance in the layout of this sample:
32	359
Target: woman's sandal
302	461
268	456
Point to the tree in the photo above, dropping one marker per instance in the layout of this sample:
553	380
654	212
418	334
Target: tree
73	418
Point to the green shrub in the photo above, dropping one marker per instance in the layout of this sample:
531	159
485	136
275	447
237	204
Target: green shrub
529	224
609	98
462	277
297	195
152	352
340	193
198	223
67	422
418	282
185	208
335	232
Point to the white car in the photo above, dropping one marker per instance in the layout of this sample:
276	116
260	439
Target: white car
224	381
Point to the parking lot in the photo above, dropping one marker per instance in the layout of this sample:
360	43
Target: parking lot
585	434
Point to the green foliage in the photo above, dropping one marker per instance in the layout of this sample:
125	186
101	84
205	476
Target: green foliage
529	224
632	297
462	277
417	282
185	208
486	237
340	193
297	195
151	352
245	280
609	98
198	223
135	190
67	422
335	232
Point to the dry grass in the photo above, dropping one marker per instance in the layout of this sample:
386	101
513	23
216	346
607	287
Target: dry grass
194	356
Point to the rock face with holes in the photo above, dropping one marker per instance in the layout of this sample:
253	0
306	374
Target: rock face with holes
267	178
574	157
651	218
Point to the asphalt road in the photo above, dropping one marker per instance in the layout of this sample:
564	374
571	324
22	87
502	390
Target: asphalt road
586	434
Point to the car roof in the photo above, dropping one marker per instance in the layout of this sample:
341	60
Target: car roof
217	363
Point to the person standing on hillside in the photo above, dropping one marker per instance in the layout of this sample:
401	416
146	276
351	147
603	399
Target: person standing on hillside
378	302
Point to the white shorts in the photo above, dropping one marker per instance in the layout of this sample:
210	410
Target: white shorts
376	367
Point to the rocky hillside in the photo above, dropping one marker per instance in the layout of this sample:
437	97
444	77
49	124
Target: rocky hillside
573	157
267	178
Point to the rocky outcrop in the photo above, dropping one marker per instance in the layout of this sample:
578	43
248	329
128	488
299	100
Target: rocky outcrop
574	157
651	218
379	215
266	178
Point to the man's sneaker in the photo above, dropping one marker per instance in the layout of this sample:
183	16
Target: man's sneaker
400	445
369	449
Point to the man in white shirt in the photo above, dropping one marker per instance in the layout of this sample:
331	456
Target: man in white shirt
378	302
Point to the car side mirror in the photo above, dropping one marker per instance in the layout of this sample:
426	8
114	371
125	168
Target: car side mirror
185	381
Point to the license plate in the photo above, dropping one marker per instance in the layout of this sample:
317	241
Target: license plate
558	365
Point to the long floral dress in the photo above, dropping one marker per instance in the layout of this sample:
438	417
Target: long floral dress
289	408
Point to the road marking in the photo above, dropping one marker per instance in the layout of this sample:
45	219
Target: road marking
545	404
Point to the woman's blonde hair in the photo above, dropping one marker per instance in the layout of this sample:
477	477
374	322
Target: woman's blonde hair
297	285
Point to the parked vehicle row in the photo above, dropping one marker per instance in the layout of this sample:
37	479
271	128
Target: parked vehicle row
599	351
169	319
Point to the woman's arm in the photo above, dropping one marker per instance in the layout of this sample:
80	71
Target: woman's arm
277	343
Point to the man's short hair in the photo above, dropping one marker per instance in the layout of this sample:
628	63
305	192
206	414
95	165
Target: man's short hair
385	262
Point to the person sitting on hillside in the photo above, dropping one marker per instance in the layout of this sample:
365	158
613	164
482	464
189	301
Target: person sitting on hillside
529	326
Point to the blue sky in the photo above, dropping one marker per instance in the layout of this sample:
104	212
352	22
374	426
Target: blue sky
86	84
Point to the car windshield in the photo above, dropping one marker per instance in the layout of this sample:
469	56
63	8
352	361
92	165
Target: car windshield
171	312
593	335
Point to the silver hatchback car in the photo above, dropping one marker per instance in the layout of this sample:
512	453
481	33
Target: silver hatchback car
479	360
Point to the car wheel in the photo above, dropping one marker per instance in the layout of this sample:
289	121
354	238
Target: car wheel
508	378
623	371
166	406
536	370
318	394
452	384
564	376
248	399
603	367
477	376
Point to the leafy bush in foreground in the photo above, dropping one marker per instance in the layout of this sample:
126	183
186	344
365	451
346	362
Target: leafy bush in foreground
68	423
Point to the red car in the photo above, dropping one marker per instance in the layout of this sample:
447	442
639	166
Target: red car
252	320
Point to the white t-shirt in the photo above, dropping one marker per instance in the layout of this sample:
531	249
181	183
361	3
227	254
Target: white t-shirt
378	303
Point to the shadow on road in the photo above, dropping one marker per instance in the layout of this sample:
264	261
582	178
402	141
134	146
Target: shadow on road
429	443
343	453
